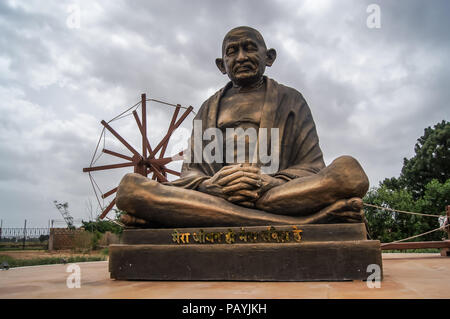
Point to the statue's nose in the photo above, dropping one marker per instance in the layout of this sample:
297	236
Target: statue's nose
242	55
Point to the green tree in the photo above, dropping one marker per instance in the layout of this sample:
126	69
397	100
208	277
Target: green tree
423	186
99	227
102	226
431	161
388	226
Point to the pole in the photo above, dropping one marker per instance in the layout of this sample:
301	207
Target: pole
447	229
446	251
24	234
1	227
144	127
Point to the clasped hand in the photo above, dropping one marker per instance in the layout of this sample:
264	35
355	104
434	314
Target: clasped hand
240	183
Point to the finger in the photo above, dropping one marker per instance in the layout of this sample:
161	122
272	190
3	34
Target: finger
225	179
227	170
228	167
237	198
247	204
237	187
248	193
243	166
224	171
232	177
245	179
250	168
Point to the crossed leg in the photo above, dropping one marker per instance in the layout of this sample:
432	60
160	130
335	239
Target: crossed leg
169	206
343	178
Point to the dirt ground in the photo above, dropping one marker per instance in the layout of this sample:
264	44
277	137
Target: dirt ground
31	254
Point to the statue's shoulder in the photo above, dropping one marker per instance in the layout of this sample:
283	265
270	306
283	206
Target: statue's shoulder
213	99
287	91
206	105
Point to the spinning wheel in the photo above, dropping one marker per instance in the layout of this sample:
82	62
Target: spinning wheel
146	162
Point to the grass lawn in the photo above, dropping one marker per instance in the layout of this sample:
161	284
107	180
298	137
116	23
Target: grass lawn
22	258
424	250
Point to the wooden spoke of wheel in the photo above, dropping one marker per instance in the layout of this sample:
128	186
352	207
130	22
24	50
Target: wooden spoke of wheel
163	161
167	170
117	154
120	138
146	143
172	172
133	161
170	131
157	172
100	168
108	193
146	162
172	123
160	161
144	126
108	208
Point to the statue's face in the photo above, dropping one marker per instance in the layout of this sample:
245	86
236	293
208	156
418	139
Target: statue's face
244	57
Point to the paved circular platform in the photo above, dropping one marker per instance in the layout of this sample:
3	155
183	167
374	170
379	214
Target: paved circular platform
405	276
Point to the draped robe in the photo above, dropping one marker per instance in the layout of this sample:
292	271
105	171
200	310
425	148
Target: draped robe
284	108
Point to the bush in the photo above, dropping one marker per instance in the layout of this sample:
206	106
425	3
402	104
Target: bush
388	226
102	226
43	238
13	262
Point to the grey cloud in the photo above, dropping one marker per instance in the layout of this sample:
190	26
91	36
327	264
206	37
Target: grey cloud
371	91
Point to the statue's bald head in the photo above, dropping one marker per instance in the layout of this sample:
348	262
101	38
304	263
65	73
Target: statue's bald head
245	56
243	31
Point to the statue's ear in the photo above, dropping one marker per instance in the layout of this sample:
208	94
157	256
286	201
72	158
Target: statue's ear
220	65
271	56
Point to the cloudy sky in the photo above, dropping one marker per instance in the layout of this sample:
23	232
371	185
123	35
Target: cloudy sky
372	91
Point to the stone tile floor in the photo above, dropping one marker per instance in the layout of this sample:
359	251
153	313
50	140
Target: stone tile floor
405	276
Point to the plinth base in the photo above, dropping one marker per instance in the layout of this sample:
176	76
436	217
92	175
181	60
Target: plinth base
254	254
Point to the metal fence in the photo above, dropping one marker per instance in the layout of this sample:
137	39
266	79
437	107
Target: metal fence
6	233
24	238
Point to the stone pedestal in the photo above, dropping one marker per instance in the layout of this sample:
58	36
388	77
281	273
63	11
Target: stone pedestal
332	252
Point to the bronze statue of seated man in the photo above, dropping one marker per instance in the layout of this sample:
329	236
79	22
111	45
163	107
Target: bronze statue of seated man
302	190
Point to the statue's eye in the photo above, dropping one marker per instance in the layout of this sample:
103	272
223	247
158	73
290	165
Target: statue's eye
230	50
251	48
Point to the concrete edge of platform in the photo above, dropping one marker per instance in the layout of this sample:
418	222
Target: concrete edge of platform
80	262
308	261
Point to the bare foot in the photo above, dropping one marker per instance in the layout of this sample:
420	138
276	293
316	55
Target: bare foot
131	221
